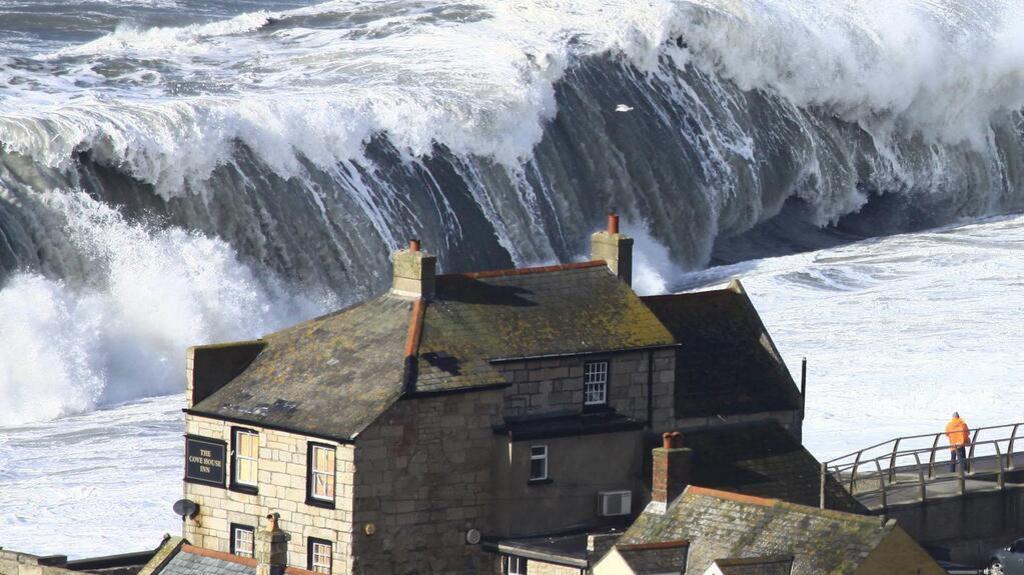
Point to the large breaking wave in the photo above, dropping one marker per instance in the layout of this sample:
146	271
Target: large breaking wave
290	151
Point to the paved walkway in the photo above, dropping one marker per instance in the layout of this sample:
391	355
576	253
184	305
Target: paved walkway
906	485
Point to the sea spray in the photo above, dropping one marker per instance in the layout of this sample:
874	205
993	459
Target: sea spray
120	332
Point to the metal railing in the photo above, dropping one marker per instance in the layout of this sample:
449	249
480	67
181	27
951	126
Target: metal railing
907	466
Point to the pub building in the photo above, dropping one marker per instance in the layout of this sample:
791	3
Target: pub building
483	422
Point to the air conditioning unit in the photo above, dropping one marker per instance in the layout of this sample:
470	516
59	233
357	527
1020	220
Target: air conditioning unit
614	503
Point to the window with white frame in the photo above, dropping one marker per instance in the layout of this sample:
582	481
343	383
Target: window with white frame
595	383
538	462
321	473
242	540
515	565
247	455
320	555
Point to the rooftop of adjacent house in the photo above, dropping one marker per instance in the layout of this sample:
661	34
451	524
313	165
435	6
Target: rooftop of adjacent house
771	565
176	557
655	558
721	524
333	375
732	364
569	549
765	460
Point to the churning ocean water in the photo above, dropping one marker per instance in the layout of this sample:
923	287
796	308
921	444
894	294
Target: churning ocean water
177	172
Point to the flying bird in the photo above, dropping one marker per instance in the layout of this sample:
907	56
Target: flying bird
623	108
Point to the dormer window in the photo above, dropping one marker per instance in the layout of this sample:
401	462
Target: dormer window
595	383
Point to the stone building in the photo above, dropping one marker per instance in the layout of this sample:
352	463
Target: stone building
480	422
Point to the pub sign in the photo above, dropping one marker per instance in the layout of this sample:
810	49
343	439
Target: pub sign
204	460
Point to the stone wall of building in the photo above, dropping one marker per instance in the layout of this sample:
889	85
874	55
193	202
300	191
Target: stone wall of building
579	468
555	385
282	489
13	563
424	479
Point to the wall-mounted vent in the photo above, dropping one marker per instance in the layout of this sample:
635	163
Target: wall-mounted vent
614	503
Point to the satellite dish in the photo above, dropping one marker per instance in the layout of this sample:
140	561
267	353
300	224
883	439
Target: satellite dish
473	536
186	508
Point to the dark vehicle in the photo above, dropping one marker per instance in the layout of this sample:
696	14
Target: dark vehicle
1008	560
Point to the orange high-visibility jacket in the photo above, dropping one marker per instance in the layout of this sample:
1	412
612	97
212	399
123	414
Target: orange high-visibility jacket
957	432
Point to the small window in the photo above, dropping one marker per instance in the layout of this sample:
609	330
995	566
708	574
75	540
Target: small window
515	565
321	474
242	537
247	456
595	383
538	462
320	555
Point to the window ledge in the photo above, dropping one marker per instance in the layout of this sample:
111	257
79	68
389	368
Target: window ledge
245	489
540	481
321	503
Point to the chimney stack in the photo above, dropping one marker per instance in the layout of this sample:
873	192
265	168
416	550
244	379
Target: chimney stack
271	547
614	248
670	471
414	272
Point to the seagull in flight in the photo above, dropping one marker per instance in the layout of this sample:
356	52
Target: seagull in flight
623	108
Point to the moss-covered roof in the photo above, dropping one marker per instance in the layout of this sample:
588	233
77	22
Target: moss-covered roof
328	377
720	524
732	364
332	376
765	460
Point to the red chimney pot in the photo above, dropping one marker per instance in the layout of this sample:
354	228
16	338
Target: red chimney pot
677	439
666	440
613	223
414	245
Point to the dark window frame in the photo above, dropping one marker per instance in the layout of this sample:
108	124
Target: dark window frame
234	485
310	498
606	405
309	551
231	539
547	465
508	565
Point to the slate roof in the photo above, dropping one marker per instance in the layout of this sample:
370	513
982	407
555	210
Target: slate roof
765	460
720	524
655	558
732	364
329	377
185	563
332	376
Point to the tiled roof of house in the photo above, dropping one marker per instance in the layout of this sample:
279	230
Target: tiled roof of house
332	376
720	524
777	565
732	364
765	460
655	558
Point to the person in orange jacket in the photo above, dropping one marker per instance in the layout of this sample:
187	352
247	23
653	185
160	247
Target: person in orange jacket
959	438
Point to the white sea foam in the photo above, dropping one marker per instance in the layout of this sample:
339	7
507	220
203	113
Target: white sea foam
320	81
120	332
